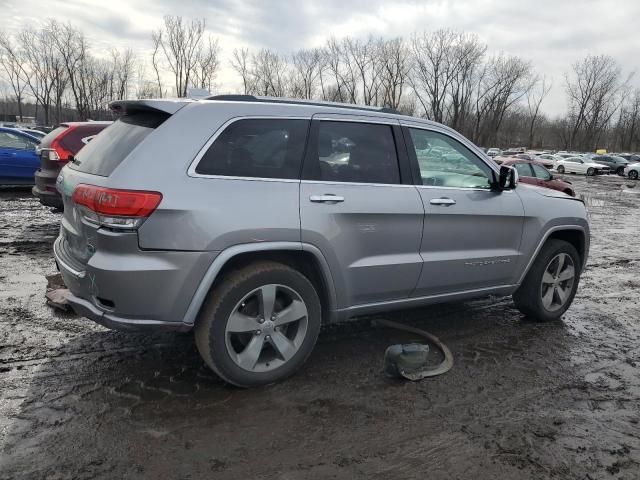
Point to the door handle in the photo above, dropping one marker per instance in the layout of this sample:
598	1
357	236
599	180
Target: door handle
326	198
445	202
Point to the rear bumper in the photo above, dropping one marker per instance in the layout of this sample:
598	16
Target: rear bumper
125	288
85	308
45	189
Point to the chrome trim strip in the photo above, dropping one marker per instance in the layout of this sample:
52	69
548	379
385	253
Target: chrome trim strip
410	300
191	170
327	182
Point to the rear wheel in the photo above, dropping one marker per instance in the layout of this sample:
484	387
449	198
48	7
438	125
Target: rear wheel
570	192
550	285
560	169
259	325
620	171
591	171
633	175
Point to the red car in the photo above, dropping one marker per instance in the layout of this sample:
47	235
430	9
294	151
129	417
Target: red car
535	173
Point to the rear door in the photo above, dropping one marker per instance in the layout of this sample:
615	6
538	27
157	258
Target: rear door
18	158
471	239
359	207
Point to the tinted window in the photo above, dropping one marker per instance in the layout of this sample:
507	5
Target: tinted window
446	162
262	148
48	138
523	169
106	151
541	172
354	152
12	140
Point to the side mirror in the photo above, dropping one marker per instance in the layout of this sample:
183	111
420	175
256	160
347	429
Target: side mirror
507	179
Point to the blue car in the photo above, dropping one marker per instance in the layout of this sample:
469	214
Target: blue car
18	158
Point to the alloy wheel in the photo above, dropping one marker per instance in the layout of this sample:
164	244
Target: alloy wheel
557	282
266	328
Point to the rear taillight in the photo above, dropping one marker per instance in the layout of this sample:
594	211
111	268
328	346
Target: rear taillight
109	207
57	152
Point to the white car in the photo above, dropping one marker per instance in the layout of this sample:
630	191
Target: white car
493	152
580	165
632	170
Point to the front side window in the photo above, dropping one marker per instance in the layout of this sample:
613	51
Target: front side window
259	148
355	152
541	172
445	162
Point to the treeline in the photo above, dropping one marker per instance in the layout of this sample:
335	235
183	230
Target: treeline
450	77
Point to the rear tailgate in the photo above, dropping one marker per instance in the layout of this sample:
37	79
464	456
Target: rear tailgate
92	166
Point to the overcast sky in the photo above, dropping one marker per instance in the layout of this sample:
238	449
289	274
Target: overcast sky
552	34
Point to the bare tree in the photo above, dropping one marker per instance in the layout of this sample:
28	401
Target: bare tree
12	64
535	96
192	59
593	91
306	65
396	65
240	62
156	38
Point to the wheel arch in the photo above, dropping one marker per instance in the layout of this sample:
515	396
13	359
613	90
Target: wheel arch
576	235
303	257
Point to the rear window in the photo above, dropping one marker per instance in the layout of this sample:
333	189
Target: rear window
106	151
48	138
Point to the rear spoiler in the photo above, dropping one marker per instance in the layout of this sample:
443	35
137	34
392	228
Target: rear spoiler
170	106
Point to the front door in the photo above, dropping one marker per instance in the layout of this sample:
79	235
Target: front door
357	208
471	238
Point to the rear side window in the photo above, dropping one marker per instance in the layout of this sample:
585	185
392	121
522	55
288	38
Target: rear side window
355	152
259	148
106	151
523	169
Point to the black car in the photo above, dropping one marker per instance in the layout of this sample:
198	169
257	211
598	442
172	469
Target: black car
614	162
56	149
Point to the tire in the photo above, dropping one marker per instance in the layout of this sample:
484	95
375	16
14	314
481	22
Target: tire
620	171
570	192
591	172
530	296
560	169
224	342
633	174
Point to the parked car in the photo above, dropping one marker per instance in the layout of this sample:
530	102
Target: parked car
535	173
34	133
18	158
629	157
632	170
56	149
580	165
493	152
535	158
548	160
244	229
616	164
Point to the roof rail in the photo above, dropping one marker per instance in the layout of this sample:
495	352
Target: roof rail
293	101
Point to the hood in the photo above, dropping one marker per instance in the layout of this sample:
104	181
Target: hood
548	192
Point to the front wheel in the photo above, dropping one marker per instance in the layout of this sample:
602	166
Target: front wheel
560	169
591	172
550	285
633	175
259	325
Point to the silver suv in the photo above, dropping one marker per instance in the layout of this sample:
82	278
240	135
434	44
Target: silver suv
255	220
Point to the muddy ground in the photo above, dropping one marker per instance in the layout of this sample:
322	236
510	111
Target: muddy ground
524	400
